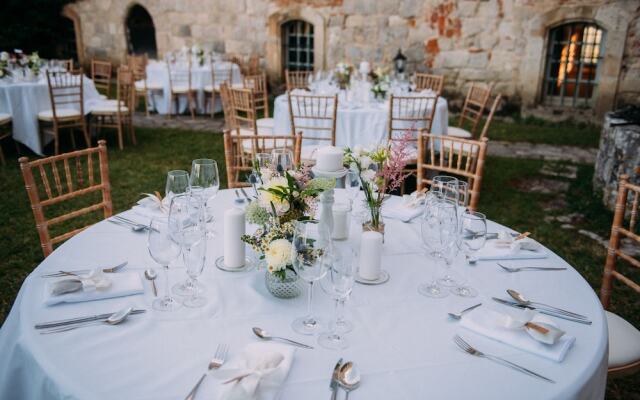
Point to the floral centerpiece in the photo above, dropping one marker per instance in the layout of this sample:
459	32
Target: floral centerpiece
198	52
381	82
381	170
282	200
342	74
34	62
4	65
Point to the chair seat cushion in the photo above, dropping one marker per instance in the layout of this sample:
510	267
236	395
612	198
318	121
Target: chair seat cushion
458	132
62	114
106	108
4	118
268	145
265	126
150	86
211	88
624	341
180	89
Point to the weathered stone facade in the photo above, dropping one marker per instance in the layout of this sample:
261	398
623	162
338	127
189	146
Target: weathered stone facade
501	41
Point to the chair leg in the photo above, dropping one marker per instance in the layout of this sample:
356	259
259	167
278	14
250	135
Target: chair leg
192	105
120	140
87	138
73	138
146	104
56	141
213	103
2	160
132	132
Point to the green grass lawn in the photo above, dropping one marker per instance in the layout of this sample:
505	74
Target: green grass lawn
142	169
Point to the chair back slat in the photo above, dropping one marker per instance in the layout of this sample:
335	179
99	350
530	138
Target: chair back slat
492	111
220	74
101	75
66	88
450	155
410	114
227	109
138	64
72	190
243	109
314	113
431	82
125	90
474	105
626	205
179	77
258	85
297	79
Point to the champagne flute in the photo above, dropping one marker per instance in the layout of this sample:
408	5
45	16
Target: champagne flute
185	214
205	183
177	183
282	160
163	249
474	235
352	184
433	243
449	234
311	241
194	253
447	185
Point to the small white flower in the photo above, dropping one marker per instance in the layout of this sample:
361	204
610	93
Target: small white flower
368	175
278	255
365	162
4	56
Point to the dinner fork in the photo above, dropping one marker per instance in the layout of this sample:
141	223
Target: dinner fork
215	363
518	269
134	225
474	352
85	271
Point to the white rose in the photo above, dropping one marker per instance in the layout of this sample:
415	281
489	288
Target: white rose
365	162
278	255
368	175
4	56
266	198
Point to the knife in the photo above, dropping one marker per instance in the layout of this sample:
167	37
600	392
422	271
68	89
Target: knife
245	195
334	380
541	311
79	320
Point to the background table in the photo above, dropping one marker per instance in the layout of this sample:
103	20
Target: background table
366	125
402	341
158	74
24	100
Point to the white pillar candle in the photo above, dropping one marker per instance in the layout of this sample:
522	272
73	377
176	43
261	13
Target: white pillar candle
329	158
340	221
234	225
370	255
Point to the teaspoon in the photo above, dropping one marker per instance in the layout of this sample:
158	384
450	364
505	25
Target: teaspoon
151	275
522	300
262	334
349	377
114	319
459	315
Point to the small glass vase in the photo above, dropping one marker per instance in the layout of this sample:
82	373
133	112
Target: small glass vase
286	288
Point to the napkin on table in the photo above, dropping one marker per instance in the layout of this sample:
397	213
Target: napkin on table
267	365
405	210
122	284
488	323
516	250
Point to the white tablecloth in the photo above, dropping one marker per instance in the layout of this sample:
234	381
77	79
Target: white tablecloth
366	125
24	100
402	341
158	74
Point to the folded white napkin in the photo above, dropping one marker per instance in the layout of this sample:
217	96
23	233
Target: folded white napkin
121	284
264	368
148	209
518	250
405	210
490	323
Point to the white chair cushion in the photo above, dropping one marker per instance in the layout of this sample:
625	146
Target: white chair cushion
105	108
62	113
211	88
624	341
4	118
180	89
103	97
268	144
458	132
237	85
150	86
265	126
112	102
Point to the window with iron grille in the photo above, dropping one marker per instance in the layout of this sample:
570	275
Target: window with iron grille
573	58
297	45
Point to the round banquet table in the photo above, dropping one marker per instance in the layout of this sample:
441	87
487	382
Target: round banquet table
158	75
402	341
24	100
358	124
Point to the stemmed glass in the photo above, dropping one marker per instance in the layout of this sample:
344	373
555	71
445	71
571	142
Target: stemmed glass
185	215
205	183
177	183
194	252
447	186
449	235
311	241
282	160
337	283
163	248
262	161
352	184
434	237
474	235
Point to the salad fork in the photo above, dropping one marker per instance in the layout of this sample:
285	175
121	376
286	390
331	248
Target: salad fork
85	271
518	269
474	352
216	362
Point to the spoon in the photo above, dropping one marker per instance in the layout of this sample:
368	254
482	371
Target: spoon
522	300
459	315
238	199
151	275
114	319
349	377
262	334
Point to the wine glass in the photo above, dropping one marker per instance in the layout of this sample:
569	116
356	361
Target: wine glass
185	214
449	235
163	248
311	241
431	232
205	183
337	283
474	235
261	163
177	183
352	184
282	160
447	185
194	252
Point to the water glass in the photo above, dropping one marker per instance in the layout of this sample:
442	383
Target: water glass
194	253
474	235
163	248
177	183
282	160
205	183
185	215
433	241
447	186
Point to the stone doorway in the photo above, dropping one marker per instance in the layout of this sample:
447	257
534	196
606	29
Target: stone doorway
297	46
141	32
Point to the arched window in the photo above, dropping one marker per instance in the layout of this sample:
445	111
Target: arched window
141	34
297	45
573	56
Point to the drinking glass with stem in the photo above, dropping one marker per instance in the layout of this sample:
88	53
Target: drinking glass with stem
194	252
434	237
282	160
205	183
311	242
163	248
177	183
473	238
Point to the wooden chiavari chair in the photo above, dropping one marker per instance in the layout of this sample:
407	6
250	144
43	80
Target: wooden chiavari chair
431	82
474	105
453	156
317	114
492	111
67	64
5	132
253	65
144	88
258	85
219	76
410	114
66	92
240	151
101	75
118	114
297	79
180	85
243	112
227	109
74	176
624	338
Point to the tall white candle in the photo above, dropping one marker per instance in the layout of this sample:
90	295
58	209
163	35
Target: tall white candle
329	158
234	226
340	221
370	255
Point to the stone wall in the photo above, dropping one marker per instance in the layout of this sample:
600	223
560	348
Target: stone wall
500	41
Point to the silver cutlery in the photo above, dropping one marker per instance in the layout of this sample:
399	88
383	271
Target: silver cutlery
135	226
238	200
80	320
522	300
245	195
125	225
114	319
151	275
216	362
459	315
494	235
333	385
349	378
262	334
519	269
541	311
84	271
475	352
